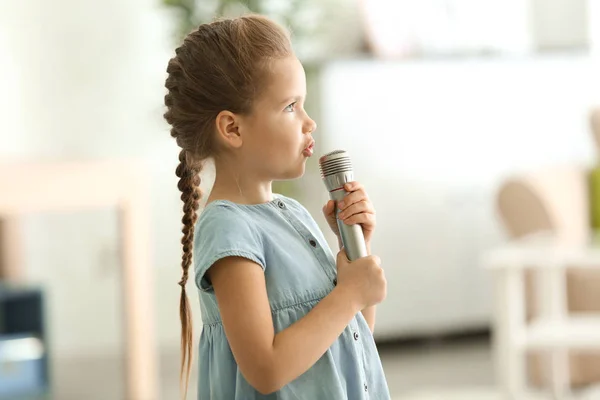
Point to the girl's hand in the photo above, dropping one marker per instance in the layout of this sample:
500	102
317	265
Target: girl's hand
356	208
363	278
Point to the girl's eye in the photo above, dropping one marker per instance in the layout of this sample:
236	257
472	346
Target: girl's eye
290	108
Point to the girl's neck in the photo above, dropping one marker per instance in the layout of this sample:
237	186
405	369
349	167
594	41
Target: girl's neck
240	189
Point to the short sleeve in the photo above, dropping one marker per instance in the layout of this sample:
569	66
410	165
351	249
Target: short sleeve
222	232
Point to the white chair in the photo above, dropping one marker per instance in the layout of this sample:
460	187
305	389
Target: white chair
554	200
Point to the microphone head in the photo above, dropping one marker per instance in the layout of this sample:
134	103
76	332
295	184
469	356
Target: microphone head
336	169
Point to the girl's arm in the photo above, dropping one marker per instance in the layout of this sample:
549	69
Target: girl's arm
370	314
267	360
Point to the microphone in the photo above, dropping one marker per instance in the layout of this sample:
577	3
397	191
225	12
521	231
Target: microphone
336	171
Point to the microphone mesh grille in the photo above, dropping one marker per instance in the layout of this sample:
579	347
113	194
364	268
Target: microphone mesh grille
335	162
331	153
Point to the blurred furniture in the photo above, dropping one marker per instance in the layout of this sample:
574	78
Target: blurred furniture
552	200
55	187
23	342
555	329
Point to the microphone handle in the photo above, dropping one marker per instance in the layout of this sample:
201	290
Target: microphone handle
352	236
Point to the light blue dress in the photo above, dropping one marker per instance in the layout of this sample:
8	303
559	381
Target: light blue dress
283	238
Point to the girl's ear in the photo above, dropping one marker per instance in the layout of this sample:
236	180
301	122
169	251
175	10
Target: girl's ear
228	129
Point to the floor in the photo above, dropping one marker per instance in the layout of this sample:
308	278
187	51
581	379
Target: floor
437	365
456	369
409	367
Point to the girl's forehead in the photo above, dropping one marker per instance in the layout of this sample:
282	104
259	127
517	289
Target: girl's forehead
288	75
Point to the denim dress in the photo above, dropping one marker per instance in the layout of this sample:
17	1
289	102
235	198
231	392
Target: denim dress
285	241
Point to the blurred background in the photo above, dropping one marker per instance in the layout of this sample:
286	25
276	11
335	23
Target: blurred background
473	124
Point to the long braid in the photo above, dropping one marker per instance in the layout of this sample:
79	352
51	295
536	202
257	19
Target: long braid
219	66
189	182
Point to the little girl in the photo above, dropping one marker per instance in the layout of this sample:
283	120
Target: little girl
282	318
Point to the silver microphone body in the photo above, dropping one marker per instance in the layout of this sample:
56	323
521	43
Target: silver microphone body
336	170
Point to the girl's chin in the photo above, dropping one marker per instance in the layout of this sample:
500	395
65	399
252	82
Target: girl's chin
295	173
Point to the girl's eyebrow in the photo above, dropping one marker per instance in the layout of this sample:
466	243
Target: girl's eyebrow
289	100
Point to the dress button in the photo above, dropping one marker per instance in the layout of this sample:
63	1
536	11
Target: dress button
366	388
355	335
280	204
312	243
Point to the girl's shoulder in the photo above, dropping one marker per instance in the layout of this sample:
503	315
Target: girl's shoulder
218	211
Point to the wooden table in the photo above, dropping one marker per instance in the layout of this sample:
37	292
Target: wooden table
122	185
